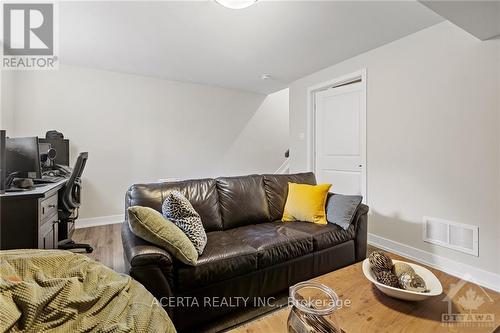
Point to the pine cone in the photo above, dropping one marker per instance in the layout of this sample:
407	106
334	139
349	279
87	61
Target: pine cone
380	261
388	278
377	271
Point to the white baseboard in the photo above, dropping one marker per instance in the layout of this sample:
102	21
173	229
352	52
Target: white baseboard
98	221
484	278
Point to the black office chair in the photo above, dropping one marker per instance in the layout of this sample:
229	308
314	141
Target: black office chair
69	203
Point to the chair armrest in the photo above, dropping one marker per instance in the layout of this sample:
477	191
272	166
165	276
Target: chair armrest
151	265
360	222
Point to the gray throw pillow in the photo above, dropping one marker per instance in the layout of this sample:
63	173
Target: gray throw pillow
150	225
340	209
179	210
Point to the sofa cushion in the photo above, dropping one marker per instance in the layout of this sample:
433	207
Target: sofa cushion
201	193
273	242
276	187
242	201
224	257
146	195
323	235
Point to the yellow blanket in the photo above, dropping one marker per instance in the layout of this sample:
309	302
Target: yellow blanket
59	291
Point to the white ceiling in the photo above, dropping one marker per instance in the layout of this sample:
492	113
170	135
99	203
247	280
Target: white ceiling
479	18
204	42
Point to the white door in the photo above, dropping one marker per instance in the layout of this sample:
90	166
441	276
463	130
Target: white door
340	138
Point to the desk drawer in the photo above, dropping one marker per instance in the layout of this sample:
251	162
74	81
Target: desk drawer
48	207
48	233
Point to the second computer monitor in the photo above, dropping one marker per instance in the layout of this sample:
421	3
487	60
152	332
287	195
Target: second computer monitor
62	148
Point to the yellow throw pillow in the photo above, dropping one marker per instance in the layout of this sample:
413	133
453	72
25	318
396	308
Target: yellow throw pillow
306	203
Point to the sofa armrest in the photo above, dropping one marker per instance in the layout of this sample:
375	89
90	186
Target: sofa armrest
139	252
360	222
152	266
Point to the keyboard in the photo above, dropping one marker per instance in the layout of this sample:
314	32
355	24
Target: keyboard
48	180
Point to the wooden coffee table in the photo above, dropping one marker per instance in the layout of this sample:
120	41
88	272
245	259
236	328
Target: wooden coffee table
372	311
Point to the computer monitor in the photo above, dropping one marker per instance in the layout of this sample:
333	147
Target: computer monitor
62	148
22	157
2	161
44	147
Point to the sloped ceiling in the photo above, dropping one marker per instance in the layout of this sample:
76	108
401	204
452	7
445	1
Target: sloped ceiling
479	18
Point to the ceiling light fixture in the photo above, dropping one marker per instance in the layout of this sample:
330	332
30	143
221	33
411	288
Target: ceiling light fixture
236	4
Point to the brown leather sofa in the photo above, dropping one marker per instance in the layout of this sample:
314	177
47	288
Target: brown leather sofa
249	253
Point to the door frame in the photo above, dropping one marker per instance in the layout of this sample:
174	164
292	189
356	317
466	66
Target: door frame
311	122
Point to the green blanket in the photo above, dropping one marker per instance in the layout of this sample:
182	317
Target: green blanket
60	291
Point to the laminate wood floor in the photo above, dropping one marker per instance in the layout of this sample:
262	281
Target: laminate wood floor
107	243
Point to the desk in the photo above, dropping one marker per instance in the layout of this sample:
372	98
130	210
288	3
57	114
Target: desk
29	219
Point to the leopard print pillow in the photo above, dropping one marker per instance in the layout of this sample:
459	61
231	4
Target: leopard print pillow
179	210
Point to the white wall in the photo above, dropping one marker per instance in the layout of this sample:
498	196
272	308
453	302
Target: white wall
140	129
498	179
6	100
262	142
433	136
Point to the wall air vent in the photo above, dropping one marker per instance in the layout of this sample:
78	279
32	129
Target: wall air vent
456	236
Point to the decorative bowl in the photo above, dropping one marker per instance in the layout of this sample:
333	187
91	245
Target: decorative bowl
433	285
